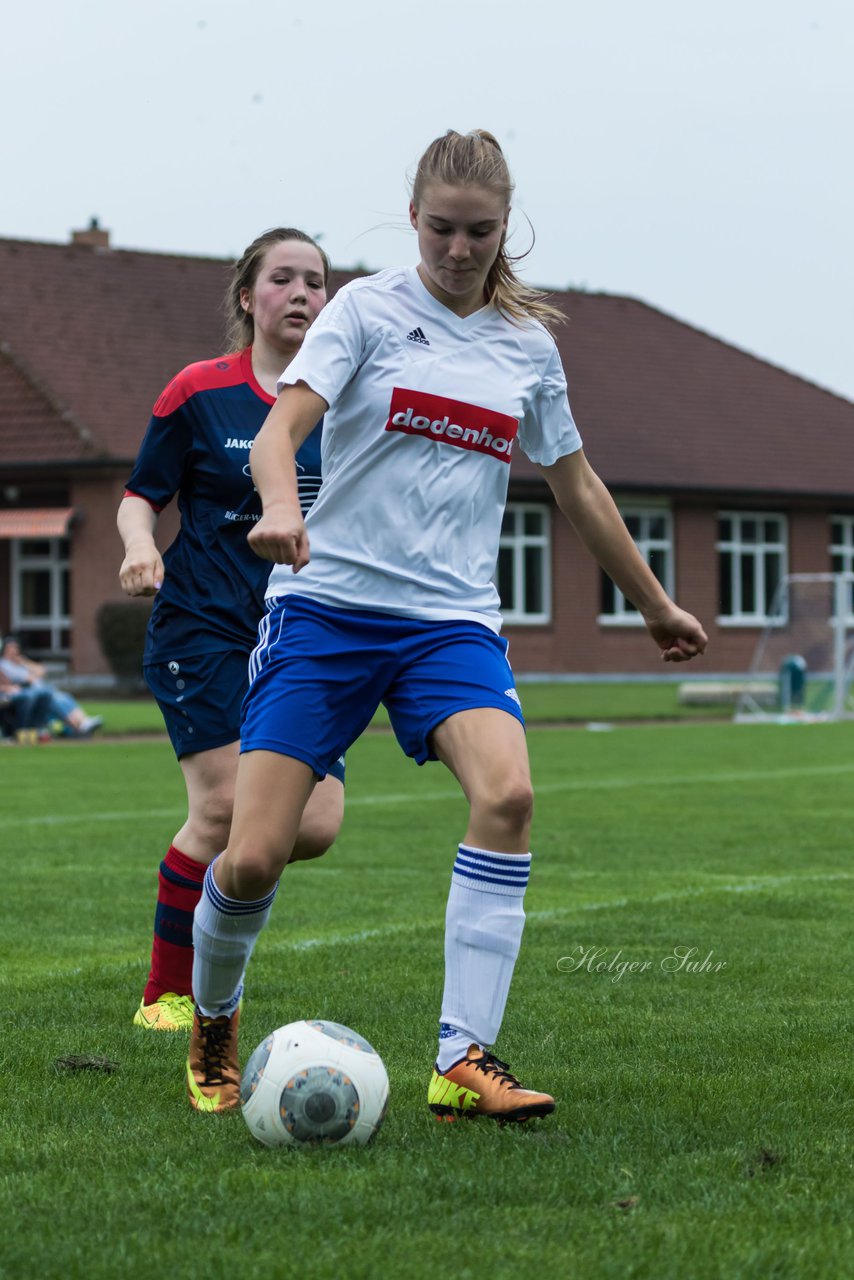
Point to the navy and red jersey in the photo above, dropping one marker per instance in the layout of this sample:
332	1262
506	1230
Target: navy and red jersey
197	446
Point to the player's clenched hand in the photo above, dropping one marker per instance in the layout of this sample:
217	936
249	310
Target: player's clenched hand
142	570
281	536
678	634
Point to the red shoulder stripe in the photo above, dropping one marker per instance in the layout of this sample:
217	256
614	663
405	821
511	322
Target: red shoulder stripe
205	375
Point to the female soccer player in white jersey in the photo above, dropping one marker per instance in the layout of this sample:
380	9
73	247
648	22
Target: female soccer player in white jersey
210	595
431	375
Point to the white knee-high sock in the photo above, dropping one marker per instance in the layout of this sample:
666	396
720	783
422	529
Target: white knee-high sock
224	933
483	931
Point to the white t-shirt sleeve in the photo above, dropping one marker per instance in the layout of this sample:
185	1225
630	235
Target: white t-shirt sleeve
548	431
332	350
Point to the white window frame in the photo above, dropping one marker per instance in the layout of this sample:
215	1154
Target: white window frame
757	551
519	543
624	614
843	552
58	562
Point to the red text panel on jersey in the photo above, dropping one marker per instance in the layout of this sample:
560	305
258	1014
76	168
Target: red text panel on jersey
466	426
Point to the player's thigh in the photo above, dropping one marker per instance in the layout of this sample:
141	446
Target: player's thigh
486	750
271	793
209	777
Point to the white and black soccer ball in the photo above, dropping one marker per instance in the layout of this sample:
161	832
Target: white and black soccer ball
314	1081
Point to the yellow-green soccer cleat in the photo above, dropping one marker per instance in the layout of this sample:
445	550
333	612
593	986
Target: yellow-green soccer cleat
480	1085
169	1012
213	1069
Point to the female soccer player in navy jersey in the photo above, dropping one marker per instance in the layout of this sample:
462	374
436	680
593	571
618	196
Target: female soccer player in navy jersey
210	586
431	375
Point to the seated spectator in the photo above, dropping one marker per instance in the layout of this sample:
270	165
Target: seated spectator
22	708
43	702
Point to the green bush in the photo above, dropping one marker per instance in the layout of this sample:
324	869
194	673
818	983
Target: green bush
121	626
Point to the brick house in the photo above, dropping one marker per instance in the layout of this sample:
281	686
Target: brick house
729	472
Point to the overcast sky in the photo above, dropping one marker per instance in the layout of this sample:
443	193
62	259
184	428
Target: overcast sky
698	157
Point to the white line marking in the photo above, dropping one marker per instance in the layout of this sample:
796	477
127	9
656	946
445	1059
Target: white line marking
612	784
755	885
61	819
426	797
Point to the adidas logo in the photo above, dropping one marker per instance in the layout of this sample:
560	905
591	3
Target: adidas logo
417	335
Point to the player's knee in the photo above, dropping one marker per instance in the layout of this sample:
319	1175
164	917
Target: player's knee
320	823
311	844
214	819
252	872
317	833
512	805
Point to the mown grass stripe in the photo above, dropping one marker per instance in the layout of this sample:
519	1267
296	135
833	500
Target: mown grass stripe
756	884
741	776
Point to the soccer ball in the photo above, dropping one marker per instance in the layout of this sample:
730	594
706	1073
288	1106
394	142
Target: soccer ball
314	1082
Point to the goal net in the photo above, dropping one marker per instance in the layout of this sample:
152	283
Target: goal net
803	665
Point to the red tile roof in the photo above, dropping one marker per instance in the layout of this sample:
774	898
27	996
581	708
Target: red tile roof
33	425
106	329
95	334
36	522
663	405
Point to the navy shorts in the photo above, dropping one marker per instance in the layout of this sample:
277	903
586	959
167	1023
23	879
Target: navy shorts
201	697
318	675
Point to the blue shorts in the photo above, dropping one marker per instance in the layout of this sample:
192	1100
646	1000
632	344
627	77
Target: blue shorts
318	675
201	697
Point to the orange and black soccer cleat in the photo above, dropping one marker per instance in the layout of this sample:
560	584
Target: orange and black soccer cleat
480	1085
213	1069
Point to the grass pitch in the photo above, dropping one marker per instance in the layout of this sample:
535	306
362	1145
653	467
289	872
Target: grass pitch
544	702
704	1113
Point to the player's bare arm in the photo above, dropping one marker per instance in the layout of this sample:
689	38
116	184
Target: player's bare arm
592	512
142	569
280	534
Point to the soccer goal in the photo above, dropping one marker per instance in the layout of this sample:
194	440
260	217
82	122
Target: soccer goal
805	654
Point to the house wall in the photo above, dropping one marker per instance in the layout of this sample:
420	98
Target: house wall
5	588
575	642
809	540
21	490
96	556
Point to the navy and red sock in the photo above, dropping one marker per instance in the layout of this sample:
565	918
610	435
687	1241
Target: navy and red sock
178	890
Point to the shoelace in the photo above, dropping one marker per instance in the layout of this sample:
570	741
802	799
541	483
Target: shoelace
216	1036
492	1066
180	1010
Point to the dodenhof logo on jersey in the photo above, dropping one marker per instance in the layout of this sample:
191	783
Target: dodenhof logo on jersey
466	426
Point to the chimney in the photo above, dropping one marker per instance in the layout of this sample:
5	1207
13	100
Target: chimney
93	236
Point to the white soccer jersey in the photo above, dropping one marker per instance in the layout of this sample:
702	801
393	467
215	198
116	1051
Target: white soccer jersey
426	408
